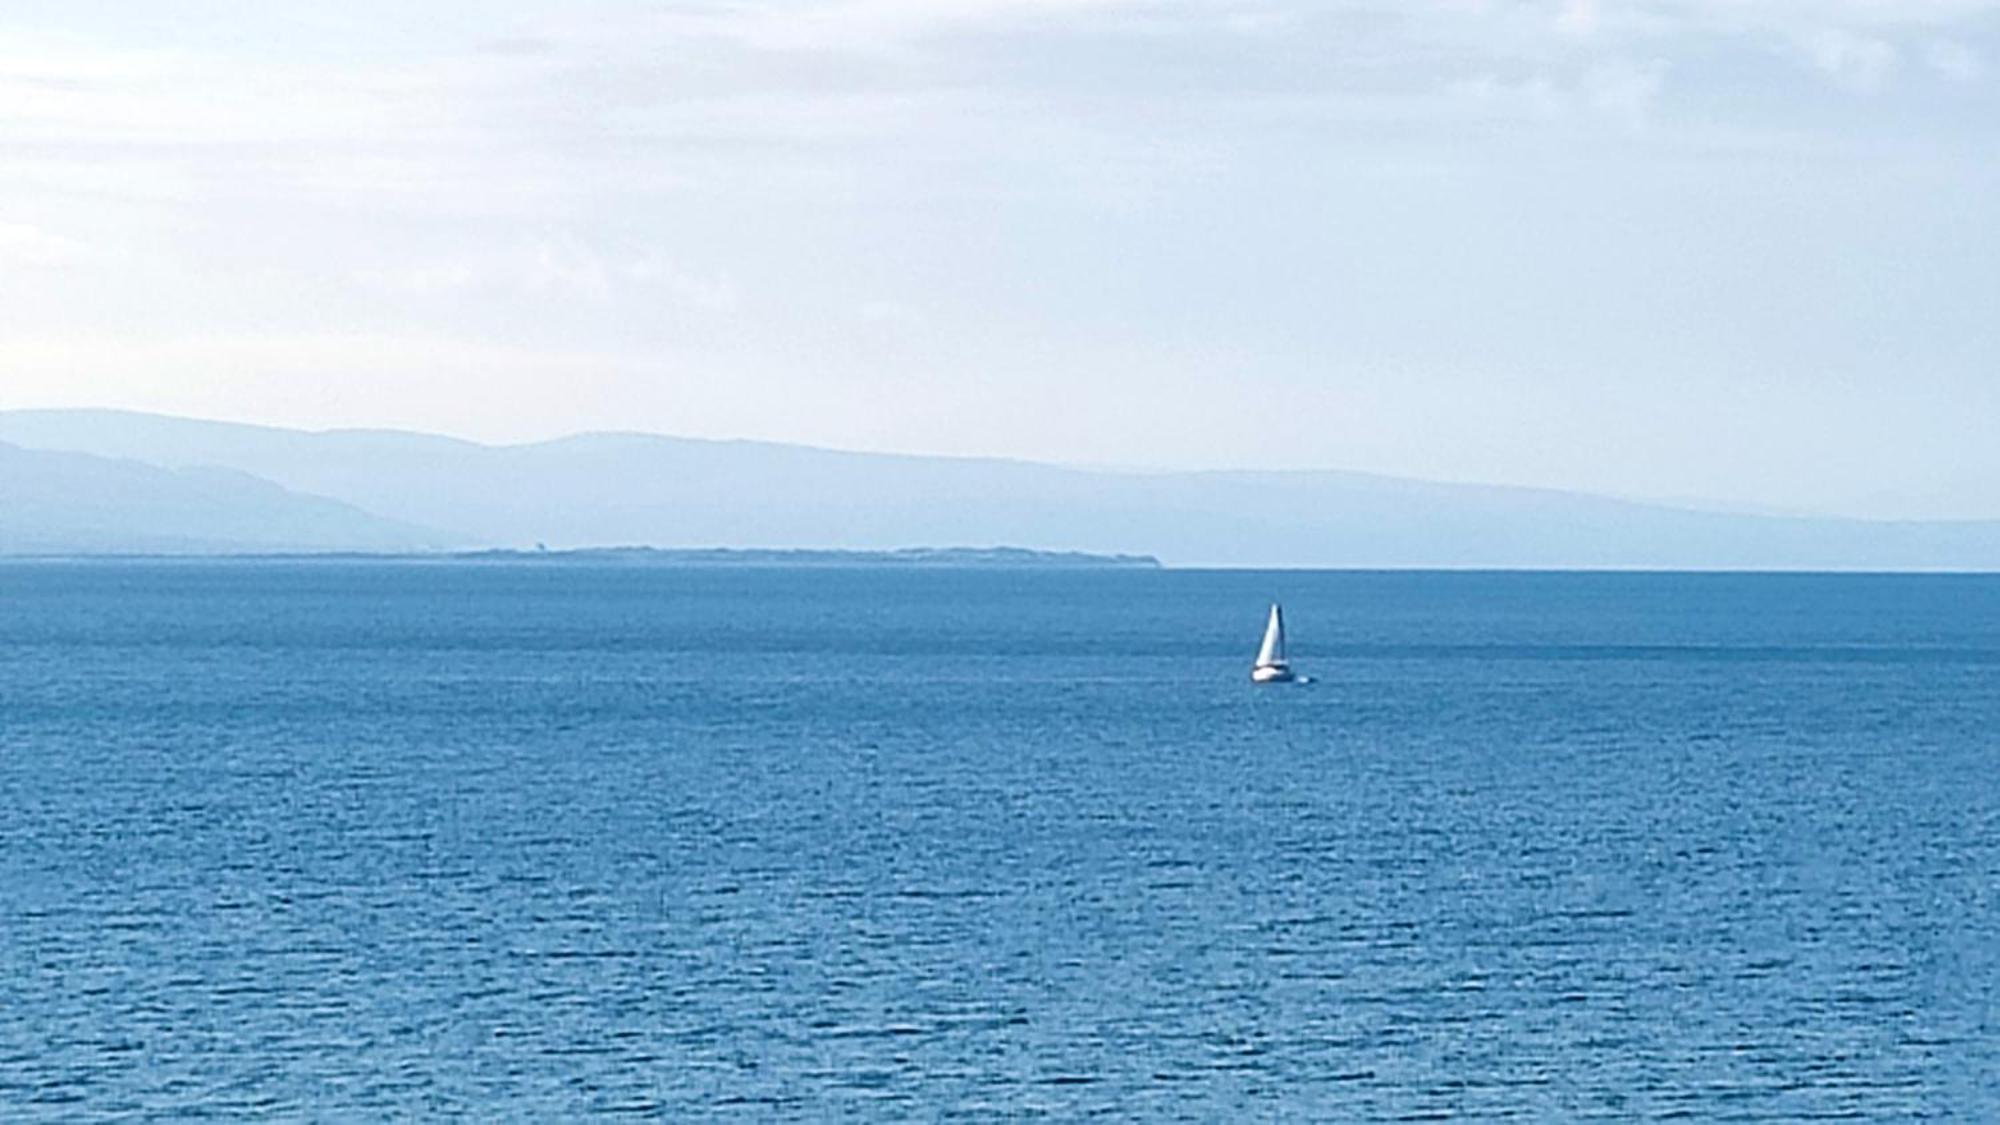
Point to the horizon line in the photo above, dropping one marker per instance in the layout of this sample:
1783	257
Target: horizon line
881	559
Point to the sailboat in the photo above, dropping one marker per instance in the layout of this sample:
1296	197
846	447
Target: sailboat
1271	667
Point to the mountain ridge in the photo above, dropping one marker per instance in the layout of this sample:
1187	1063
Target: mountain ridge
588	437
618	488
62	502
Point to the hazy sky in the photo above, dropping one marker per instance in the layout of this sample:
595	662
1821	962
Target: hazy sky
1726	248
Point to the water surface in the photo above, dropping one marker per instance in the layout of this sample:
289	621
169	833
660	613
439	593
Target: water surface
534	841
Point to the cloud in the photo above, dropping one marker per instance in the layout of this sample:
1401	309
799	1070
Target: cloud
27	247
795	76
317	379
1616	89
1954	60
1623	89
890	314
878	26
557	267
1578	17
706	293
1860	62
70	93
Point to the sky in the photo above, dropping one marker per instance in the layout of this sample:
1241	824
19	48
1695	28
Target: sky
1740	251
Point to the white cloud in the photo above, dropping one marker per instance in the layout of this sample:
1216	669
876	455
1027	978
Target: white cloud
709	294
1623	89
812	74
1859	62
1616	89
69	93
1578	17
561	267
890	314
876	26
1954	60
27	247
320	380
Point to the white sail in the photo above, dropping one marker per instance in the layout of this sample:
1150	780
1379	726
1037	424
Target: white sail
1272	654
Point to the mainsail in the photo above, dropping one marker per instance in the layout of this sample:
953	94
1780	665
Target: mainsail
1272	654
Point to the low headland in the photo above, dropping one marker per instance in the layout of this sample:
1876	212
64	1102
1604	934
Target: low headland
750	556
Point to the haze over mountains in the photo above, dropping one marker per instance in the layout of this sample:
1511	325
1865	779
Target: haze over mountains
113	482
72	503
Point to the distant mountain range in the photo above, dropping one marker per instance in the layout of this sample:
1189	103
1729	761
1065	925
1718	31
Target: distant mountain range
75	503
98	481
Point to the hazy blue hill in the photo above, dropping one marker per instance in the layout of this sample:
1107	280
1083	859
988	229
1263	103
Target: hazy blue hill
602	490
73	503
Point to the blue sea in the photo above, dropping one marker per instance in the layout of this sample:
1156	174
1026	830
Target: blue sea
542	841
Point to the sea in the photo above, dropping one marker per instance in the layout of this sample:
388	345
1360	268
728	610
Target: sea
545	841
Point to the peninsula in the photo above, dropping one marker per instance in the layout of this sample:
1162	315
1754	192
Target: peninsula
736	556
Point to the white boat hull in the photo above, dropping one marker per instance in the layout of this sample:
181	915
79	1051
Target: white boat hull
1271	674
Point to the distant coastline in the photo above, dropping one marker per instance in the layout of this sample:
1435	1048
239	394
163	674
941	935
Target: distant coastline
105	483
808	556
969	557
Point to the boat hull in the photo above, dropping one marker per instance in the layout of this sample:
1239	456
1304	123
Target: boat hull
1271	674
